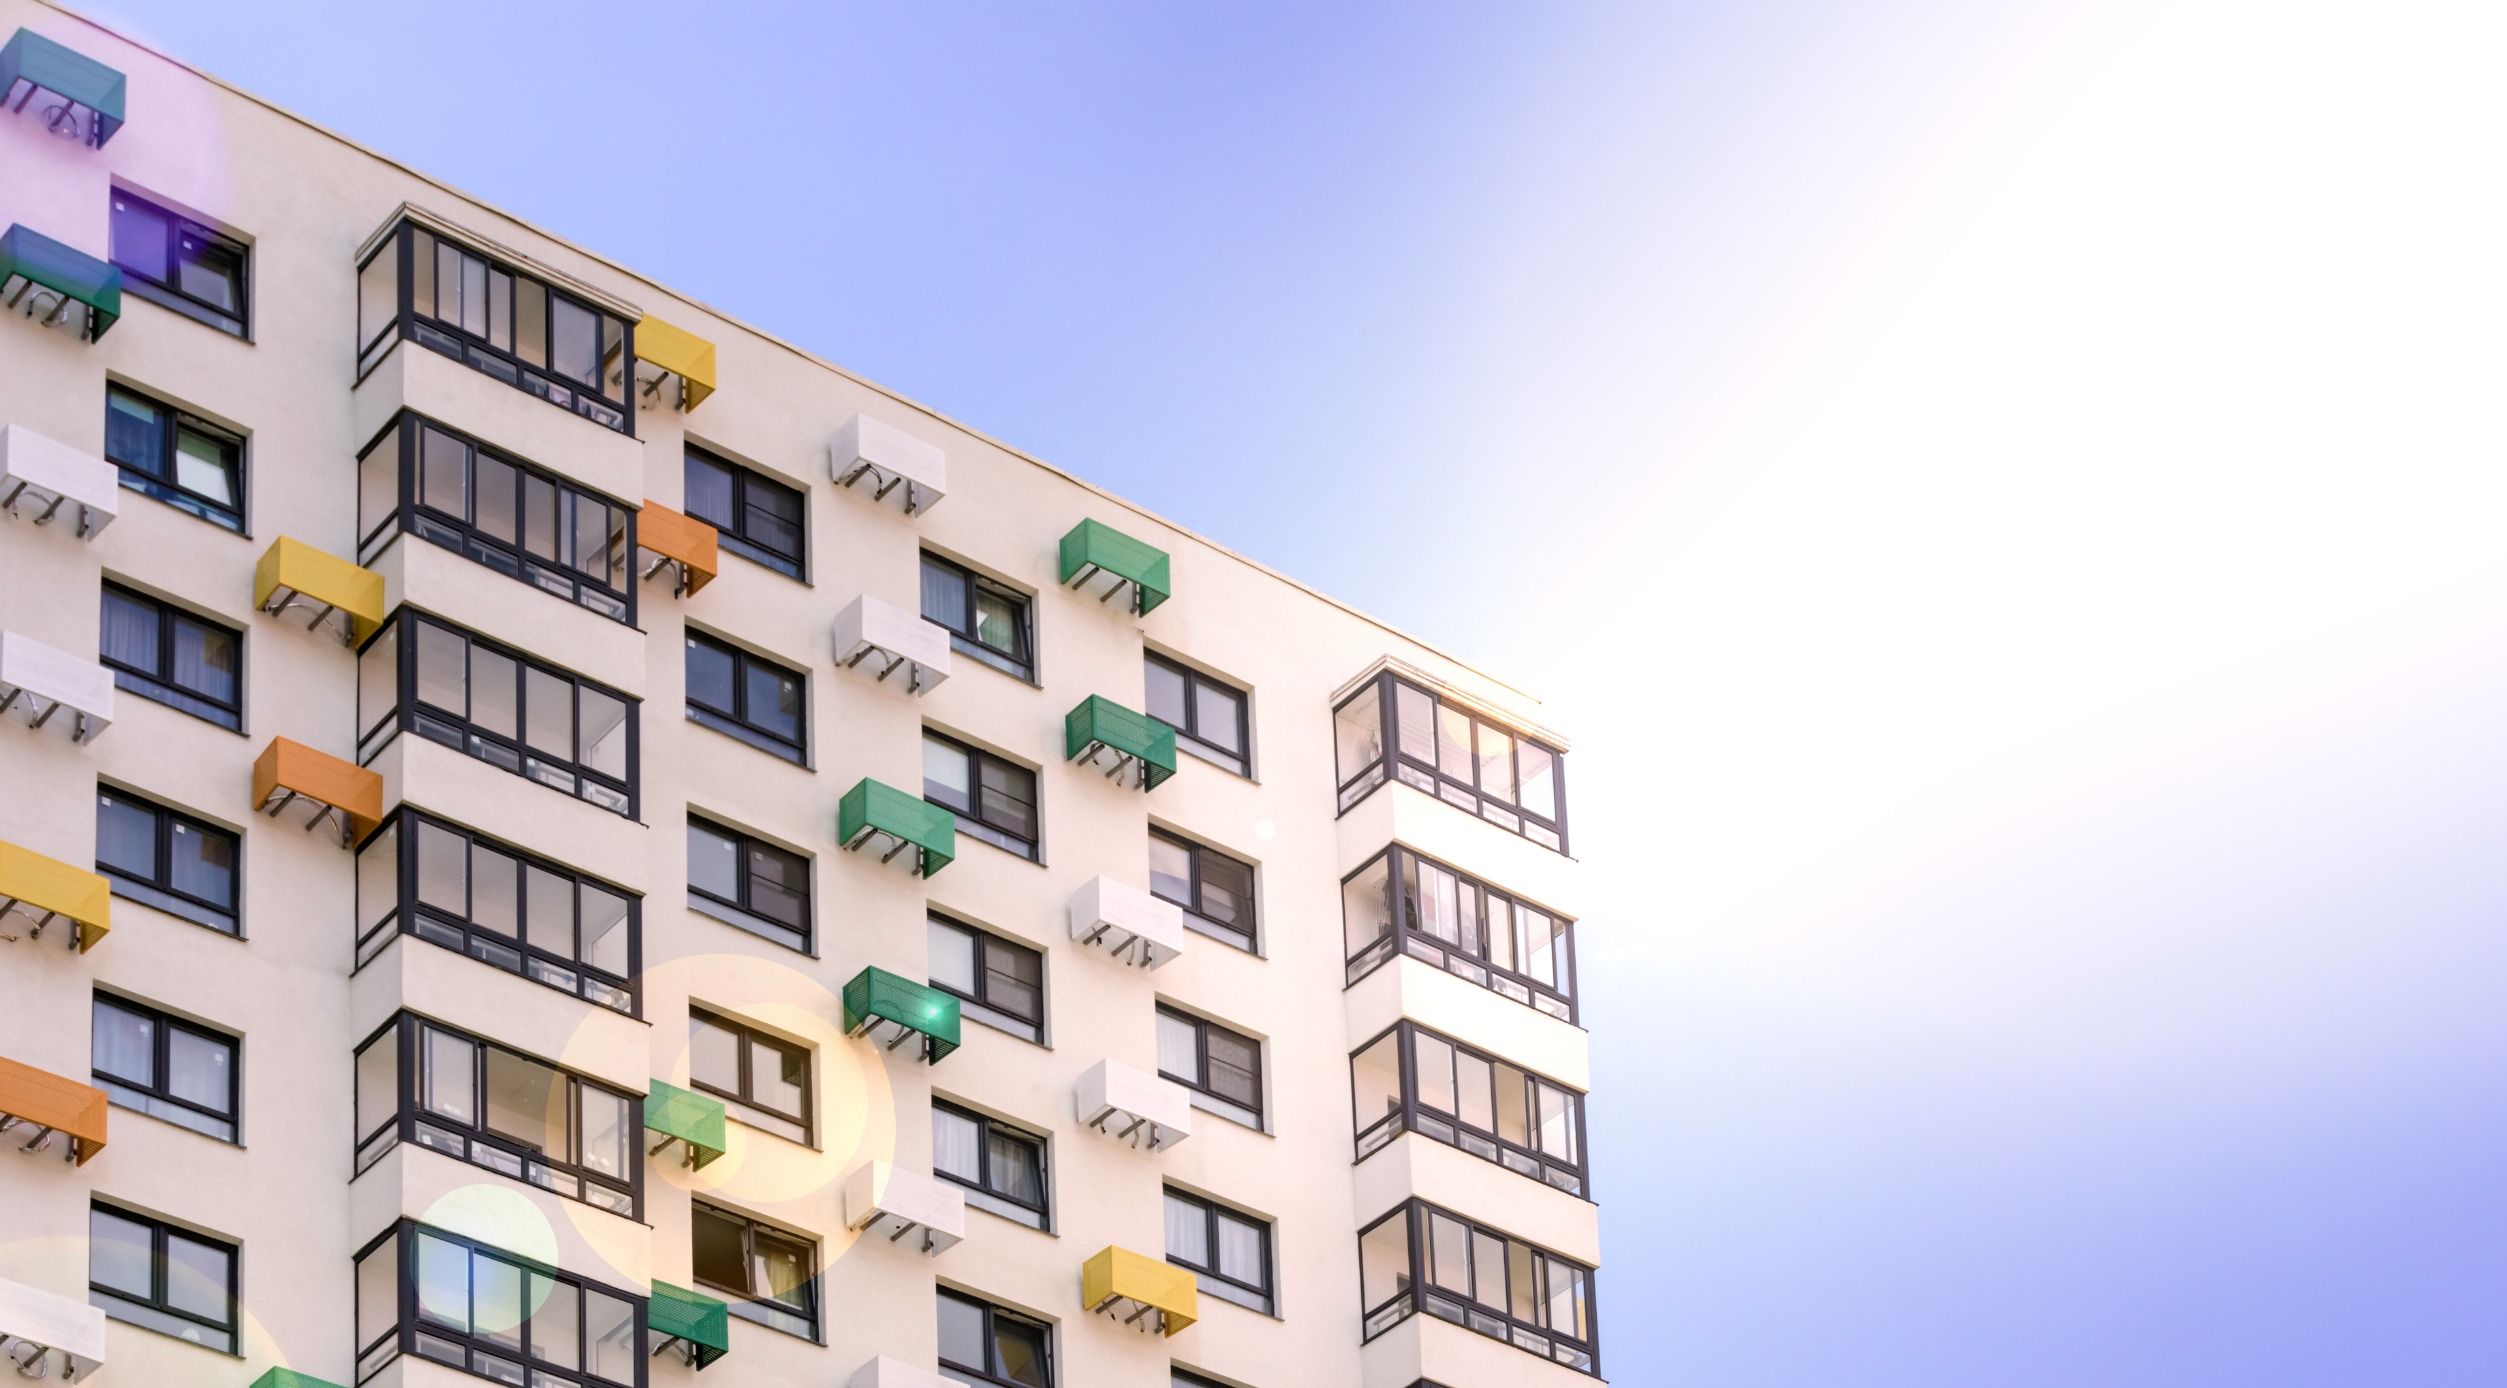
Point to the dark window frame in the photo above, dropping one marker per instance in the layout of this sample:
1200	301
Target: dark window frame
733	532
1422	773
1404	936
158	686
1267	1291
993	1315
156	477
744	1303
971	820
734	722
160	892
159	1265
1249	938
1188	734
155	1090
1419	1291
985	1126
962	625
1413	1115
1200	1083
980	1004
744	1095
179	228
375	1351
742	913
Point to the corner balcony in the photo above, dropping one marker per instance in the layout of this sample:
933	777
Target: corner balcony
40	478
38	682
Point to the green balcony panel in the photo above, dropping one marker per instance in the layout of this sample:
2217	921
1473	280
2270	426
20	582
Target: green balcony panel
40	277
1133	748
76	95
691	1120
874	813
892	1011
696	1325
1096	555
289	1378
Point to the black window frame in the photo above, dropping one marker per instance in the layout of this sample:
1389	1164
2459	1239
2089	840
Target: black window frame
1262	1297
962	625
732	532
160	892
177	229
156	477
594	402
747	1304
970	819
743	913
735	722
1412	1114
993	1315
408	914
744	1094
147	1095
158	686
453	729
1417	1290
157	1303
980	1004
407	1335
401	443
982	1192
1199	1083
1188	734
1403	936
1248	939
474	1141
1423	774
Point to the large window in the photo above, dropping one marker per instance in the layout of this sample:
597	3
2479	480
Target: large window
149	1273
1223	1067
166	1067
1402	903
1420	1257
1209	717
476	1101
499	705
741	879
418	875
756	517
747	696
1411	1079
422	478
998	982
491	1314
765	1078
769	1274
165	654
1215	890
167	859
1505	777
981	1343
1229	1253
1001	1167
171	260
988	621
994	800
180	459
507	322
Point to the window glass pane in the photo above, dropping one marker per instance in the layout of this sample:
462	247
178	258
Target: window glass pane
495	890
604	945
1187	1232
1168	695
947	779
1009	801
1436	1073
378	1272
954	1145
378	877
1453	743
119	1254
713	862
1217	710
1226	889
1170	870
1375	1077
962	1333
1514	1121
777	1075
496	1302
443	869
556	1310
500	309
212	274
709	491
378	484
944	595
1523	1284
1475	1091
774	516
1235	1066
1539	793
131	633
1179	1049
1384	1261
140	240
494	686
713	1054
1449	1253
203	864
551	902
443	672
205	465
1565	1310
126	837
719	1257
548	706
196	1277
1022	1350
1240	1250
1018	1165
449	1084
603	734
711	677
1500	937
1438	913
206	660
526	1102
779	885
1414	716
1557	1122
1014	979
1497	763
1358	735
378	1082
134	433
1366	905
443	1281
125	1044
500	500
782	1271
201	1070
424	267
952	957
774	702
541	536
1544	946
574	341
596	524
531	322
612	1350
474	274
443	473
998	619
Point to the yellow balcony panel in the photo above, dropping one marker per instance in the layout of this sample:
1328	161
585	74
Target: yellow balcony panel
664	353
37	1105
1139	1290
36	892
293	574
287	772
688	547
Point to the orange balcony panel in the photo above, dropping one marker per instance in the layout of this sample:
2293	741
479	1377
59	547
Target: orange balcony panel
667	538
287	772
50	1103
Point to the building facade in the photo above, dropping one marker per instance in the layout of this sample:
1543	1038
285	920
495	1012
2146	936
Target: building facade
548	836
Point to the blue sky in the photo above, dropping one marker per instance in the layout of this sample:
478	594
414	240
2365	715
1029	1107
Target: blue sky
2009	503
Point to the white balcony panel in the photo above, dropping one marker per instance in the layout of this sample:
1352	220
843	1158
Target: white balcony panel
52	688
904	1207
889	461
884	1372
41	1331
1134	1106
45	481
1128	924
882	639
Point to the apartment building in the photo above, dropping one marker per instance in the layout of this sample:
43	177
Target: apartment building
549	836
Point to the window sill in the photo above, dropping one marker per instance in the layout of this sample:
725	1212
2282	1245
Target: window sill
115	1310
757	555
1224	763
198	510
747	737
1221	1108
764	929
157	900
1232	939
992	1019
1008	1211
1230	1294
149	291
747	1310
757	1120
991	659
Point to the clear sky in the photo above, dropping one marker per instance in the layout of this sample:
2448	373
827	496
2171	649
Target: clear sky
2009	498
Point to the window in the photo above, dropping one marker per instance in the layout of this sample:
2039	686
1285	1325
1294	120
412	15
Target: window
1507	778
173	261
165	1067
149	1273
1215	890
515	326
980	1343
478	1102
421	478
1422	1257
181	460
1002	1168
1229	1253
491	1314
1411	1079
769	1078
162	653
1209	718
997	982
418	875
758	518
167	859
749	883
498	705
768	1273
1461	925
985	620
1222	1066
748	697
994	800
